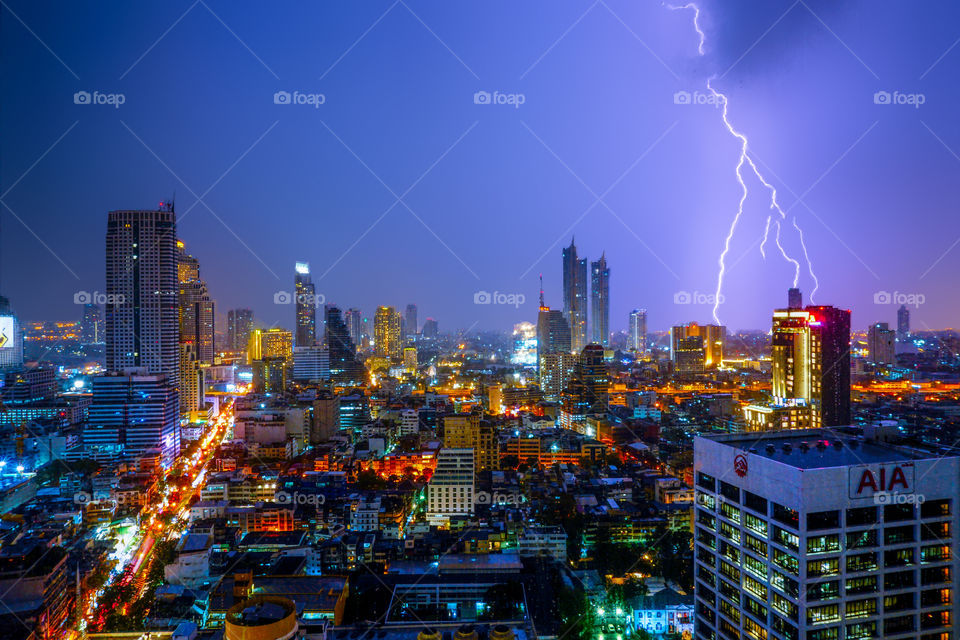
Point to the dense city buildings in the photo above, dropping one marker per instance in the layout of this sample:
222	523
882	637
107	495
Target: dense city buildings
356	326
305	296
344	366
813	534
600	302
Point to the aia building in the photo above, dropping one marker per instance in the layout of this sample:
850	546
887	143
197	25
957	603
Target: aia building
812	535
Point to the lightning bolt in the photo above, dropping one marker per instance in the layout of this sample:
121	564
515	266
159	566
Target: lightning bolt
743	160
696	22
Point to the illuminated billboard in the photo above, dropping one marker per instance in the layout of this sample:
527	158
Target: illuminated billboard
6	332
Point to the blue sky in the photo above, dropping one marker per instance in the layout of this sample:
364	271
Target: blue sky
400	188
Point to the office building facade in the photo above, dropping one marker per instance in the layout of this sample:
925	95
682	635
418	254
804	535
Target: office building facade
806	535
239	327
881	344
638	331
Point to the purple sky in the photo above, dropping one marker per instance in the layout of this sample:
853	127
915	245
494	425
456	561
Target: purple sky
489	192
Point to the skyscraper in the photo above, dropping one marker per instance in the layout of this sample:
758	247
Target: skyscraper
575	296
141	303
344	366
638	331
431	328
354	320
195	309
306	303
91	324
410	321
903	323
880	343
386	333
600	301
810	350
239	326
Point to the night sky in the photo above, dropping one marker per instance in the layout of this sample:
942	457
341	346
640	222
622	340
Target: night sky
399	188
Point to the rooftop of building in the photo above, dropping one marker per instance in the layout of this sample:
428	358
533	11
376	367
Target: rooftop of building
819	448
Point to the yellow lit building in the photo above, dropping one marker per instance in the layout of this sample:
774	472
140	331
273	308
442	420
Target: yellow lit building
468	431
386	333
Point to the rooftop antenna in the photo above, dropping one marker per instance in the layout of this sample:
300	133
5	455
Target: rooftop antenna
541	291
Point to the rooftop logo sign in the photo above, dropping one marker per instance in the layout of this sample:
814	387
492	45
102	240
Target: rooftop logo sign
866	480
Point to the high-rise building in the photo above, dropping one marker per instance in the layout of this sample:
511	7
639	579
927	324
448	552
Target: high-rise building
810	352
575	296
275	343
471	431
410	325
431	329
590	381
554	358
11	337
311	364
386	333
239	326
451	488
712	337
903	323
355	326
600	301
91	324
133	413
815	535
142	328
191	378
410	360
344	366
881	343
195	309
306	303
638	331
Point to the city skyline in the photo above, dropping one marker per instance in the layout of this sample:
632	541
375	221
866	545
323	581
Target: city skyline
649	138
